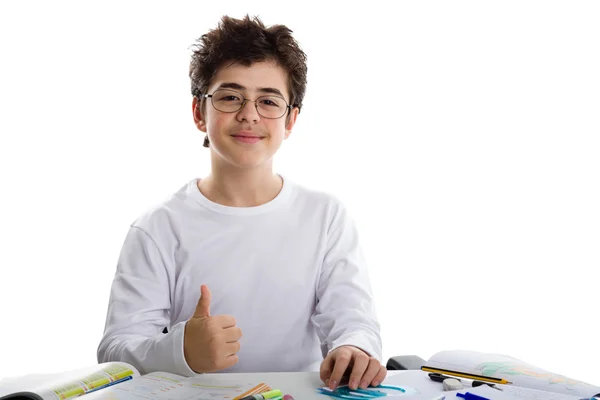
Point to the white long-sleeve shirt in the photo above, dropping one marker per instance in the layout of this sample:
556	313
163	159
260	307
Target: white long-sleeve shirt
290	272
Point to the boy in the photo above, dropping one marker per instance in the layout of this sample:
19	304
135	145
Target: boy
271	258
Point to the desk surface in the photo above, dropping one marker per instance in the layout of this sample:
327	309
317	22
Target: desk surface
303	385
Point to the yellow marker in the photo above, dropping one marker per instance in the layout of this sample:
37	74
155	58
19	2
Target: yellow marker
464	375
271	394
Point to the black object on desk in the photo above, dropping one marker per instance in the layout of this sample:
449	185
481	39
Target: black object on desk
405	363
434	376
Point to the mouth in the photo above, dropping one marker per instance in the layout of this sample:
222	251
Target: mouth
247	138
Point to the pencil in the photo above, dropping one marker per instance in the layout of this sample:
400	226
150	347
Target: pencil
465	375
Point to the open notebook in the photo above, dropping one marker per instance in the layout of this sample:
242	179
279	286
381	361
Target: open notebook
121	381
522	376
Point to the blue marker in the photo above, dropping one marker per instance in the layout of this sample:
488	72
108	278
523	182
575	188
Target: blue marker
471	396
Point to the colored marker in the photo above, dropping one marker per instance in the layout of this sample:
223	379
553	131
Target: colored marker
270	395
471	396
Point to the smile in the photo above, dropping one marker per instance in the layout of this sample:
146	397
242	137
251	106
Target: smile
247	139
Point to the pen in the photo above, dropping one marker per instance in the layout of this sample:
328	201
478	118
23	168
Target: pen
434	376
471	396
465	375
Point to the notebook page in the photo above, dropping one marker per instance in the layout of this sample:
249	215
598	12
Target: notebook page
166	386
511	369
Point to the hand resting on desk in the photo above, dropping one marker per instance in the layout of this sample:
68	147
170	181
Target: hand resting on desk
210	343
362	369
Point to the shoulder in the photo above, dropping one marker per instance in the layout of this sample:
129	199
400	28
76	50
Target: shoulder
314	196
319	201
166	214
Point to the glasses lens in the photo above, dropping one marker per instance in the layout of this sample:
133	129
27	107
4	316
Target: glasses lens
271	106
227	100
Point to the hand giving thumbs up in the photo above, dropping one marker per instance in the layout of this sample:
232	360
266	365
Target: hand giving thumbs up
210	343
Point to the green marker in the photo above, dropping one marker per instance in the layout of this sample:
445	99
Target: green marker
271	394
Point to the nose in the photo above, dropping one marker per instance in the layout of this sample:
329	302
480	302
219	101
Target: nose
248	112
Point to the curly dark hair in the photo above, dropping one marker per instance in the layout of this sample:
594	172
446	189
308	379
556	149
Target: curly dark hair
246	41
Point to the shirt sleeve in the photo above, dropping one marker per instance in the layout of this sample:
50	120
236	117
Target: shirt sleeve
345	313
138	311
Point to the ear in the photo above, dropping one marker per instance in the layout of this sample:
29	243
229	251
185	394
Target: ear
199	118
291	121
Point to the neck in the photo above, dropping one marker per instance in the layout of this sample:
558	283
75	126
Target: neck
241	187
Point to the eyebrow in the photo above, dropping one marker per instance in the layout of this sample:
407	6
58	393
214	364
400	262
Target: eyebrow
237	86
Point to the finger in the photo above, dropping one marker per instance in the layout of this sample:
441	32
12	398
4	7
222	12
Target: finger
370	373
231	348
326	368
380	376
203	307
360	364
232	334
342	360
224	321
230	361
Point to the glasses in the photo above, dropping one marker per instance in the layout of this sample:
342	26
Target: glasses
230	101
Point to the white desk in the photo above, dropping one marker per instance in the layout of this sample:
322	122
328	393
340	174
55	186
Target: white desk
303	385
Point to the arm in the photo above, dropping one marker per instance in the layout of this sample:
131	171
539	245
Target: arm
345	311
138	311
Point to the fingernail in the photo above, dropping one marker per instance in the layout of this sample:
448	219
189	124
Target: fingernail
332	385
375	383
364	384
353	384
327	382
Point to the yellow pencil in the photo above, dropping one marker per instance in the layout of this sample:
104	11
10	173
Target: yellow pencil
464	375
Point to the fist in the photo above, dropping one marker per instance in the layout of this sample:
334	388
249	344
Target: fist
210	343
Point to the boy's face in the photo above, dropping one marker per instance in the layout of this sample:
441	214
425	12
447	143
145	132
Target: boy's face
246	139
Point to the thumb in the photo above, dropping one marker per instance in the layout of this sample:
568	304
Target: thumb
203	307
326	369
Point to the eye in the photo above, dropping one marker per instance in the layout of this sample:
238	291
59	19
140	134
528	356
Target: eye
229	97
270	101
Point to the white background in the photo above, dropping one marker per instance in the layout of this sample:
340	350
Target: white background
463	136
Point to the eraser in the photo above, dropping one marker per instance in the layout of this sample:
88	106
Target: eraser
452	384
